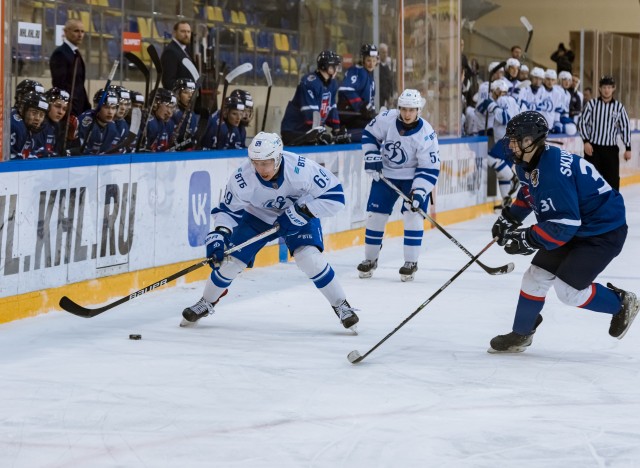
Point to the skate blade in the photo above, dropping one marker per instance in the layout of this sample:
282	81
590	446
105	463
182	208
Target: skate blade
512	350
365	274
186	324
353	329
406	278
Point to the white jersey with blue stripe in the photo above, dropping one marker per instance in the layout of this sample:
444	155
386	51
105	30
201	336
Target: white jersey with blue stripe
300	181
569	198
406	154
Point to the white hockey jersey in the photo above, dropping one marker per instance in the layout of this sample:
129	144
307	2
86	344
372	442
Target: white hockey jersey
551	103
406	154
507	108
300	180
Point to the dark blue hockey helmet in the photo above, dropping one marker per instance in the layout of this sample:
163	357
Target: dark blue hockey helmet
530	126
328	58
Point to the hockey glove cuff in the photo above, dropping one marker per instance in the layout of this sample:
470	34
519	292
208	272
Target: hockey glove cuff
373	165
418	199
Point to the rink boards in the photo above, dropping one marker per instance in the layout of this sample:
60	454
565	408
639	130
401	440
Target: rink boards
97	228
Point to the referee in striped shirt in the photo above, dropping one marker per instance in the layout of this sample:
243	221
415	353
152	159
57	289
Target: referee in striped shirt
602	119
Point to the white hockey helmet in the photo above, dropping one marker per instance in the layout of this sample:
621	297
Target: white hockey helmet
551	74
537	72
513	62
524	68
500	85
492	65
265	146
411	99
565	75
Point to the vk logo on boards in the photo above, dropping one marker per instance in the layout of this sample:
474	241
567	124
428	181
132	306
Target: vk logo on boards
199	207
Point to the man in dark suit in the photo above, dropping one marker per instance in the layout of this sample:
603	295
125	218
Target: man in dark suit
173	53
67	67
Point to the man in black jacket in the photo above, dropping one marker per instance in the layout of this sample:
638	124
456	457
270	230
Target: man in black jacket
173	53
67	67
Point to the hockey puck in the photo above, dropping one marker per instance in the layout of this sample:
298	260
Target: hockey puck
135	337
354	357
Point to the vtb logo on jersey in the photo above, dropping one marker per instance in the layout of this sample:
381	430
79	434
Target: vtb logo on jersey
395	152
325	106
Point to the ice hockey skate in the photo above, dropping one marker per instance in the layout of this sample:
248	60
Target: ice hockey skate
621	322
347	316
513	342
408	271
200	309
367	267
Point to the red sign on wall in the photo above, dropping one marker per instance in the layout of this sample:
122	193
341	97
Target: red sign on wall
131	42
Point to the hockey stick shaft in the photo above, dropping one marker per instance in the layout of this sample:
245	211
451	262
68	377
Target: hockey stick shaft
75	309
267	75
155	59
355	357
70	107
508	268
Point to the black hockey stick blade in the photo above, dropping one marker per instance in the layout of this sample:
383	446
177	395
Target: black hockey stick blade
76	309
355	357
501	270
138	63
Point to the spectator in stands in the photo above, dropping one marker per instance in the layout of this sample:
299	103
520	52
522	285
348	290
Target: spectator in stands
230	134
68	69
356	104
63	125
564	58
28	140
313	105
516	52
387	88
173	53
96	130
160	126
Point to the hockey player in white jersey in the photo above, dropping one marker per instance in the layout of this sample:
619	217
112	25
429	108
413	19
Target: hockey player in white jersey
273	186
531	95
564	123
504	109
483	89
551	101
402	146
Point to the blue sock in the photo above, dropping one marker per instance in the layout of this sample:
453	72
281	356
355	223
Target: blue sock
602	300
529	307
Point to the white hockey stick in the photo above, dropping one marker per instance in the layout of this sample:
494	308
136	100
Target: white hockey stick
525	22
188	64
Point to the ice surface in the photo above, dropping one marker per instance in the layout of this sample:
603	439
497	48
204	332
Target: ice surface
265	382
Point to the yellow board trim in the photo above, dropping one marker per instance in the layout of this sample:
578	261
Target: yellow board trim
96	291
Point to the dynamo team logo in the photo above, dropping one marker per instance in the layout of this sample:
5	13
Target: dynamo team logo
395	153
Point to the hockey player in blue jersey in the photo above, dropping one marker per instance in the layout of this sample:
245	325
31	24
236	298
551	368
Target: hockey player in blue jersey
160	125
230	135
29	134
124	106
356	95
580	227
99	137
403	147
63	127
316	94
274	186
184	119
246	99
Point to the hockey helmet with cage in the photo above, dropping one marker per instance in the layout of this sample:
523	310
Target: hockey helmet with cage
328	58
607	80
368	50
527	125
184	84
110	98
265	146
57	94
26	86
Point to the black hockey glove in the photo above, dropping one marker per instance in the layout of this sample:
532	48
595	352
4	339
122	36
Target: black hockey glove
505	224
520	242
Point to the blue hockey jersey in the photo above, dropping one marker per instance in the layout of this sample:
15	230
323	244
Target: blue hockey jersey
358	89
101	139
569	198
312	96
230	137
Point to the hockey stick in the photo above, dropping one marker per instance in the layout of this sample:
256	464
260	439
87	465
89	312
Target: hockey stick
355	357
139	64
70	107
76	309
155	59
134	128
267	75
188	111
525	22
112	73
501	270
232	75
